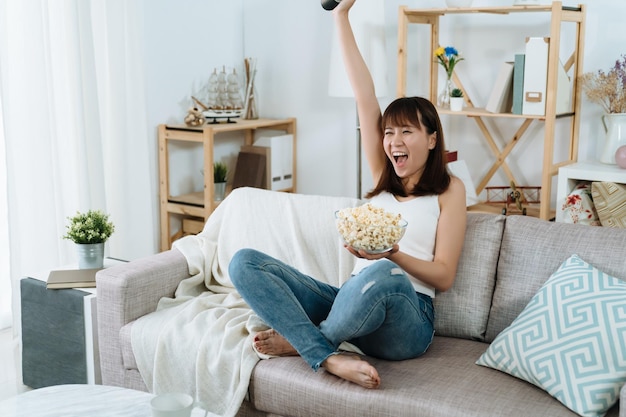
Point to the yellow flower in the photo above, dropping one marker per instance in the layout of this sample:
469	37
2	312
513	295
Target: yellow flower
448	57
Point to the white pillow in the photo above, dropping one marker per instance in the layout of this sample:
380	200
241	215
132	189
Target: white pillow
579	207
570	340
459	169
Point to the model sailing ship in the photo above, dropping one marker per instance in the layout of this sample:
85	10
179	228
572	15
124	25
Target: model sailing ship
222	97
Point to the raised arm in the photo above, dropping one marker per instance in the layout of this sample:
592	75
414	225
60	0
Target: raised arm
363	87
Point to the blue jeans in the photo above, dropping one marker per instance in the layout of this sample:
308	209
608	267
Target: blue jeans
377	310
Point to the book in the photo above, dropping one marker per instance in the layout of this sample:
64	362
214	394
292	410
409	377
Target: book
500	99
72	278
250	169
518	84
535	76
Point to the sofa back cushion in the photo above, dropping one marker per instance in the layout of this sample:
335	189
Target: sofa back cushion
463	310
533	249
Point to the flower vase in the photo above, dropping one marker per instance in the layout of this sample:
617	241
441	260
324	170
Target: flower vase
615	127
90	255
250	111
443	100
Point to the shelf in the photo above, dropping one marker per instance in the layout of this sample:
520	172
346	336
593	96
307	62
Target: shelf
594	171
194	208
193	199
493	208
558	15
416	15
481	112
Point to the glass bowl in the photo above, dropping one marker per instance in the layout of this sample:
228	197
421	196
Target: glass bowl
372	238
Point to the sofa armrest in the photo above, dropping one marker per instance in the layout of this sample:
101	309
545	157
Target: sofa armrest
127	292
622	402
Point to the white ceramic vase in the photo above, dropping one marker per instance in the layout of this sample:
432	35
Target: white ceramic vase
90	255
615	127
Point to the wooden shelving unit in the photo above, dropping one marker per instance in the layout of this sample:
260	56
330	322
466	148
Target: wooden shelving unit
573	66
194	208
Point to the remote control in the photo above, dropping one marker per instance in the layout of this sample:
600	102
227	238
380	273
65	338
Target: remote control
330	4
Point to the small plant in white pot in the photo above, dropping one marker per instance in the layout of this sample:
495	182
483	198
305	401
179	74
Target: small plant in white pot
220	170
89	231
456	99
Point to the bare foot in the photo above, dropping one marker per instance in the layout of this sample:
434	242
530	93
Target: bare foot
352	368
269	342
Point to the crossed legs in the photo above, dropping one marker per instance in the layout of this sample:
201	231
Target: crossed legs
347	366
311	318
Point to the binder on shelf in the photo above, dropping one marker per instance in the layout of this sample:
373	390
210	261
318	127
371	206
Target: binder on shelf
500	99
280	160
518	84
535	76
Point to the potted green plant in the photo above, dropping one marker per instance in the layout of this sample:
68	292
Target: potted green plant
89	231
220	170
456	99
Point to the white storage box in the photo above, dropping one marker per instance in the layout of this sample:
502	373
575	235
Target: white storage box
281	160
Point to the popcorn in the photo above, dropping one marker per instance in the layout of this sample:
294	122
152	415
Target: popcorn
369	228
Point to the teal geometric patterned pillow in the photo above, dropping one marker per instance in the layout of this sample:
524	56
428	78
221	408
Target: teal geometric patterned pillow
570	340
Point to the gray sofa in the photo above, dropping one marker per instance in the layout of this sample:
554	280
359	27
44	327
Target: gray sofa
505	261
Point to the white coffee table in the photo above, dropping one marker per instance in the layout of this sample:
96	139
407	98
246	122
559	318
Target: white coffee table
81	400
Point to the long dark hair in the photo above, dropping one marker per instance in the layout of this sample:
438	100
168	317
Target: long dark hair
418	112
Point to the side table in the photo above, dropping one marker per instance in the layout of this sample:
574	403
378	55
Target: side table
570	175
82	400
59	333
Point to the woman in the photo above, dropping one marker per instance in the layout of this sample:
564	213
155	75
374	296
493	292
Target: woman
385	308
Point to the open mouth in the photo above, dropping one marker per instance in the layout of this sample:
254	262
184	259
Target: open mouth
399	157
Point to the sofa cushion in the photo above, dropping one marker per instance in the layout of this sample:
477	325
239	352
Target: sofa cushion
610	201
444	382
569	340
463	310
578	206
532	249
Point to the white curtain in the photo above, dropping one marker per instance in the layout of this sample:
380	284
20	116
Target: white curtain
5	277
75	128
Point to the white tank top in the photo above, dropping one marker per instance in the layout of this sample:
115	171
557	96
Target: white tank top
422	216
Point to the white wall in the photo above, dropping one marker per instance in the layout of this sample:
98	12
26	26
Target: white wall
186	39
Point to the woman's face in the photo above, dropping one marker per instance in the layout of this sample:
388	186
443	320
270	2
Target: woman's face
407	148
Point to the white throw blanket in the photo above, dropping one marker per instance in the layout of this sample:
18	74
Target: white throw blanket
199	342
